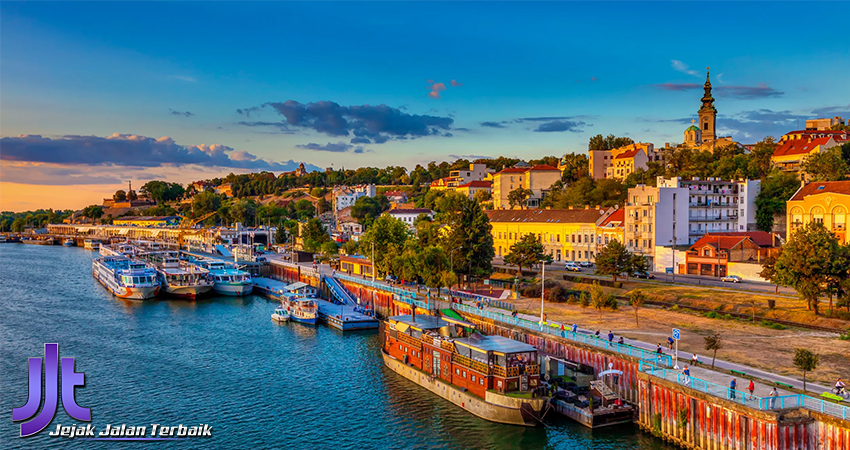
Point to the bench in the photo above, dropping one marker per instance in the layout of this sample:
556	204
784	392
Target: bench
833	397
738	372
785	385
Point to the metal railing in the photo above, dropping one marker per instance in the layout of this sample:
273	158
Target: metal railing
477	297
594	341
339	291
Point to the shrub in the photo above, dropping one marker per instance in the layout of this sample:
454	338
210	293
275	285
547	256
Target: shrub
727	317
675	307
712	315
618	284
584	300
612	303
773	325
844	336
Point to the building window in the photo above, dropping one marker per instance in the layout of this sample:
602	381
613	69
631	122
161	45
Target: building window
706	252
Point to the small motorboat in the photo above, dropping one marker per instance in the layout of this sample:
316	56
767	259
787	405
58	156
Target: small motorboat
69	242
280	314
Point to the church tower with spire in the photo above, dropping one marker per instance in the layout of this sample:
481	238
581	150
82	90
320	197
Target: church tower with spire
708	114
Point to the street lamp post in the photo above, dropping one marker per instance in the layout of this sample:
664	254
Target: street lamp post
373	262
673	249
452	260
542	290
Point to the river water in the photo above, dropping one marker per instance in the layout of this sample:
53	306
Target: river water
221	361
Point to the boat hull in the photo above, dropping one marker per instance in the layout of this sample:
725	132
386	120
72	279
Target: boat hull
280	318
134	293
188	292
233	289
527	413
306	320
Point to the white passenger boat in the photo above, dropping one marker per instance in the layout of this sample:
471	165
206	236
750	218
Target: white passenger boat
126	278
280	314
301	309
179	278
228	279
118	249
69	243
91	244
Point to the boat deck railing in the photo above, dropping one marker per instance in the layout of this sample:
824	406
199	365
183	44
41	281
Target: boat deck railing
587	339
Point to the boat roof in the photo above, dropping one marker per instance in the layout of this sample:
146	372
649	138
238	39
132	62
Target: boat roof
297	285
174	271
419	322
496	344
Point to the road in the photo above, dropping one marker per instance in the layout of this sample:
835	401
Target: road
682	280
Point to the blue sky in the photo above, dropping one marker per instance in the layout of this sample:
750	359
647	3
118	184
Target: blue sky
185	70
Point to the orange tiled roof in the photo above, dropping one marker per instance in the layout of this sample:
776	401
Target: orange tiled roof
719	242
628	154
514	170
477	184
544	215
822	187
544	167
799	146
760	238
617	216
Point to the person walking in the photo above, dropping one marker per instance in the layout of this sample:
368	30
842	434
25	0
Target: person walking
751	388
575	329
773	394
610	338
732	386
670	342
687	373
563	333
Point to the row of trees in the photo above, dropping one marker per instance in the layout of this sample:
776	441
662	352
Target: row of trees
457	241
815	264
19	221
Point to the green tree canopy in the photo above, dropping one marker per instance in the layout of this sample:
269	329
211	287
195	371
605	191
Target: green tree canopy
614	259
388	235
526	252
776	189
93	211
120	195
367	209
205	202
827	165
468	230
518	197
806	263
806	361
608	142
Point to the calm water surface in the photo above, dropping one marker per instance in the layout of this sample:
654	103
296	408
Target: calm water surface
221	361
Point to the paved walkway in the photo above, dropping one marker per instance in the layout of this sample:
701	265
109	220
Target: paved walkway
722	379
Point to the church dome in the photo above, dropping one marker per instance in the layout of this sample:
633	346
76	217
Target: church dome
692	128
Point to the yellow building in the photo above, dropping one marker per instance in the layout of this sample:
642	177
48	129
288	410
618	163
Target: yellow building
793	148
440	184
539	179
626	163
147	221
600	161
469	189
566	234
826	202
355	265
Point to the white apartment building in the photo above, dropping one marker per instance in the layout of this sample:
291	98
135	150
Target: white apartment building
476	172
717	205
655	216
408	216
346	196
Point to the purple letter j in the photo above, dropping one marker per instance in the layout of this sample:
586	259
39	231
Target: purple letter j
70	380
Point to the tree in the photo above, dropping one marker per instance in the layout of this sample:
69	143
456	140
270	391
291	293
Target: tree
828	165
434	261
597	297
350	247
244	211
93	211
637	299
388	235
760	163
468	229
615	259
518	196
713	343
806	361
482	196
161	191
119	196
574	167
526	252
367	209
205	202
608	142
775	191
131	196
806	263
313	231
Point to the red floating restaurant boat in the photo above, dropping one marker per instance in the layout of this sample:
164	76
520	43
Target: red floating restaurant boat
495	378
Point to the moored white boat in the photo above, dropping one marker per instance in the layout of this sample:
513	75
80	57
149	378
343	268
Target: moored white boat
178	278
126	278
69	242
280	314
301	309
227	278
91	244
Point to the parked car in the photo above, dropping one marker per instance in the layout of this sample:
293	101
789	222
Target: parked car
645	275
585	264
572	267
731	279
